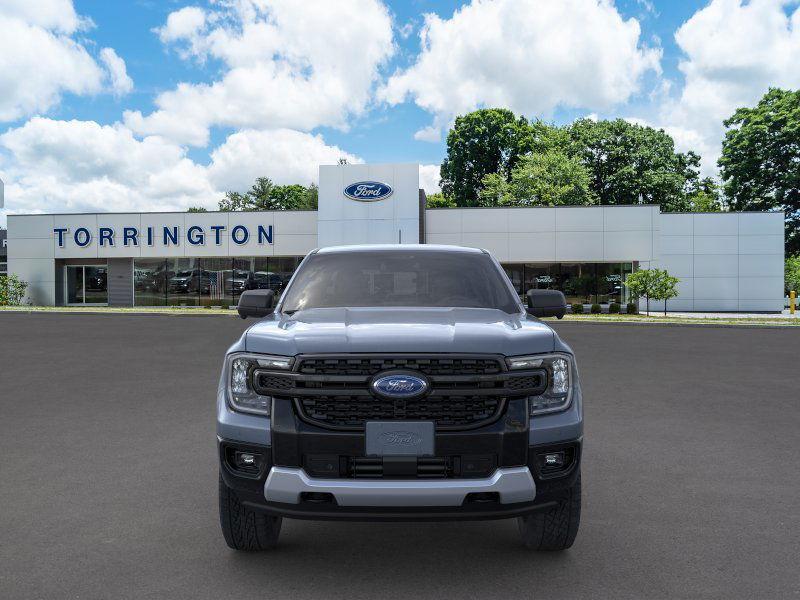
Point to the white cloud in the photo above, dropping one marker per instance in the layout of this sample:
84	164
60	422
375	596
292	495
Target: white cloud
81	166
283	155
429	178
121	83
286	65
734	51
183	24
41	58
528	55
58	15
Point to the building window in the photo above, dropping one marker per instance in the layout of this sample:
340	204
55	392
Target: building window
582	283
207	281
87	284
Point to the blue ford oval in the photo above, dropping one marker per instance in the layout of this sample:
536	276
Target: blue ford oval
368	191
399	386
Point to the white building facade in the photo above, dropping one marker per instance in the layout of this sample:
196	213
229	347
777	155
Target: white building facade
725	261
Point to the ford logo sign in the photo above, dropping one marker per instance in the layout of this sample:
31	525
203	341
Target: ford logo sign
368	191
400	438
399	385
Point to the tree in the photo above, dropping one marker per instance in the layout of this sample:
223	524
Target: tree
643	284
548	179
288	197
234	201
197	209
312	197
485	141
627	161
494	190
12	290
666	288
760	162
705	197
439	200
791	277
265	195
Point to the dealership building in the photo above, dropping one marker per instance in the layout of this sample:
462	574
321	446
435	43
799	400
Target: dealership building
725	261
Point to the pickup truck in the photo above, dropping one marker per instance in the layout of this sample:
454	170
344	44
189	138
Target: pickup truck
400	382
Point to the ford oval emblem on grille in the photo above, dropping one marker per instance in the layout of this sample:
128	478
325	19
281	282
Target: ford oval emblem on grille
368	191
399	385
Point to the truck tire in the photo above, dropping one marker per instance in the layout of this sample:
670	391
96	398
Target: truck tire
554	529
245	528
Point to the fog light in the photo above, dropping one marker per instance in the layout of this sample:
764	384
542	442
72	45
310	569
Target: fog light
554	459
246	461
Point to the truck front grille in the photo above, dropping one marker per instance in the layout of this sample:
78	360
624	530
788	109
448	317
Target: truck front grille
351	412
466	391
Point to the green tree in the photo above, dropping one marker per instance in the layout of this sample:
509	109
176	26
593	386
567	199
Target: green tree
643	284
485	141
760	162
288	197
791	277
312	197
12	290
197	209
705	197
548	179
234	201
439	200
627	161
494	190
666	288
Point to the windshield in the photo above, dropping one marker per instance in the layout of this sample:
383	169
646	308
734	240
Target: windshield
397	278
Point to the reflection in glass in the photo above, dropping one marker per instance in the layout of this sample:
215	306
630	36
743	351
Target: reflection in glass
185	282
74	285
95	285
221	278
149	282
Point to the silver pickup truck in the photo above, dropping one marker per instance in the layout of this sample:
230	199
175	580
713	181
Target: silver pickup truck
399	383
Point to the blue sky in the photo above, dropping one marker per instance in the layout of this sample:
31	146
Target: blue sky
148	105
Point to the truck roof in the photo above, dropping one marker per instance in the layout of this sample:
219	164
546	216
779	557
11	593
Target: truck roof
399	248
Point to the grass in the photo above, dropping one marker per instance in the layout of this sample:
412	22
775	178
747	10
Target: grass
766	320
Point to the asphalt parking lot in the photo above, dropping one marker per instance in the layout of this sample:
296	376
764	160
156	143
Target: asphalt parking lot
108	486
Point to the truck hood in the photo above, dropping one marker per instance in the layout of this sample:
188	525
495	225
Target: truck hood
345	330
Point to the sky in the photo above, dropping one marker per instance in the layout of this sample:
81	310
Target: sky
142	105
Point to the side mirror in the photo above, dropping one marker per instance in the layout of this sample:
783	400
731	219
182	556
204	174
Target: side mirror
256	303
547	303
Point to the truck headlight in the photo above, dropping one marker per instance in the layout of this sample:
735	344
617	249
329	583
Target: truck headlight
241	395
558	395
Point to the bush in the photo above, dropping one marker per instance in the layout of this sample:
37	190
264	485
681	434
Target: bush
632	308
577	309
595	309
12	290
614	308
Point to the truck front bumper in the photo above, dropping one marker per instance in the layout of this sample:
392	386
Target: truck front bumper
508	485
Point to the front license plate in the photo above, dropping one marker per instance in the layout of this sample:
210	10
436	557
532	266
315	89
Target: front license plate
400	438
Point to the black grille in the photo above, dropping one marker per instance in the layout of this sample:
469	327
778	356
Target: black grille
446	412
374	365
425	468
466	391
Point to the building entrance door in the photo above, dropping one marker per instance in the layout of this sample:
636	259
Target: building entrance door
86	284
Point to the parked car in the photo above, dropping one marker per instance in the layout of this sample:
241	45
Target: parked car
400	383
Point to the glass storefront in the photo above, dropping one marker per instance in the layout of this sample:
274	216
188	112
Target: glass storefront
220	281
584	283
207	281
87	284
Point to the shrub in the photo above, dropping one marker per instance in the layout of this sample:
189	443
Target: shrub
614	308
12	290
595	309
632	308
577	308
